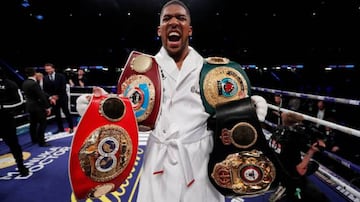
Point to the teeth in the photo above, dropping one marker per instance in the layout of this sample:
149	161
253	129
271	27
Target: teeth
174	34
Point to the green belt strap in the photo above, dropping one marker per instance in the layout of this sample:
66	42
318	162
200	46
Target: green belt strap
222	80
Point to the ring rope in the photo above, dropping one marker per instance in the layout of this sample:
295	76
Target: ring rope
309	96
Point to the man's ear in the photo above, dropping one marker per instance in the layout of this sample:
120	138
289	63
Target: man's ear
158	31
190	31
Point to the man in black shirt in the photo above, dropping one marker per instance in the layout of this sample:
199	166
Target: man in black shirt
38	106
288	141
10	99
55	87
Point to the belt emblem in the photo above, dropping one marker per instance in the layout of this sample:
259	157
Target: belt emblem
141	92
246	172
105	153
140	81
223	84
104	147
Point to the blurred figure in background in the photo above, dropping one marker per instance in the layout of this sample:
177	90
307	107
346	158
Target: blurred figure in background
55	87
40	79
294	104
79	79
331	137
274	115
289	141
38	106
10	99
323	112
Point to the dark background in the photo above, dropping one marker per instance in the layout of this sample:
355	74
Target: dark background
103	32
75	33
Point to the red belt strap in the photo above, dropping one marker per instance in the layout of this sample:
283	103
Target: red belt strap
104	147
140	81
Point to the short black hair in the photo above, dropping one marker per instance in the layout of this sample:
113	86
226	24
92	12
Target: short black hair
176	2
30	71
50	64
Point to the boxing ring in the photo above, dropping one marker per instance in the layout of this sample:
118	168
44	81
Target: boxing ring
348	190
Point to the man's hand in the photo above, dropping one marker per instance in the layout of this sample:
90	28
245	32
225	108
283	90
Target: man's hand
53	99
82	103
98	91
48	111
81	83
319	145
83	100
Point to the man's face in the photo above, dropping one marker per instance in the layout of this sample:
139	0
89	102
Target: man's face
277	99
320	104
39	77
175	29
81	72
49	69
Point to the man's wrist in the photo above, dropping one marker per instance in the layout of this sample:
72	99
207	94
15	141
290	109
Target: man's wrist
311	152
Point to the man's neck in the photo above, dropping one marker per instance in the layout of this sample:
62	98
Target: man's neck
179	59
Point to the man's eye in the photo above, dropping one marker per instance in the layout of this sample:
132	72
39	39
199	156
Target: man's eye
181	18
166	18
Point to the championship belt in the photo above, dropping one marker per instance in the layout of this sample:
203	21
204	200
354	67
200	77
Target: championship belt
241	162
104	147
140	81
221	81
246	172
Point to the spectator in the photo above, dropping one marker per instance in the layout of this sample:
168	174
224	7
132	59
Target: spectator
331	138
79	79
40	79
55	87
322	113
10	99
274	116
38	106
294	104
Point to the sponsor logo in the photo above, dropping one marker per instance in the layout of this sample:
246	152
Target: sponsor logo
7	160
38	162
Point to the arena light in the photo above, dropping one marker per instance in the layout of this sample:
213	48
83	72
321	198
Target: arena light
25	3
249	66
348	66
292	66
39	17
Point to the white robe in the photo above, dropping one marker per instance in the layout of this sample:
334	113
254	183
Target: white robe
177	153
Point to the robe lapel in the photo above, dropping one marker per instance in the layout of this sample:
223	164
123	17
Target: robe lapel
192	62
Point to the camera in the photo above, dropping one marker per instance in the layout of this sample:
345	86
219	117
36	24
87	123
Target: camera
311	133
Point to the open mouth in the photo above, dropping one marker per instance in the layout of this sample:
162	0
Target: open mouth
174	36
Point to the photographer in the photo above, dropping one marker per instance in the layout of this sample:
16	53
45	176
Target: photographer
288	141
